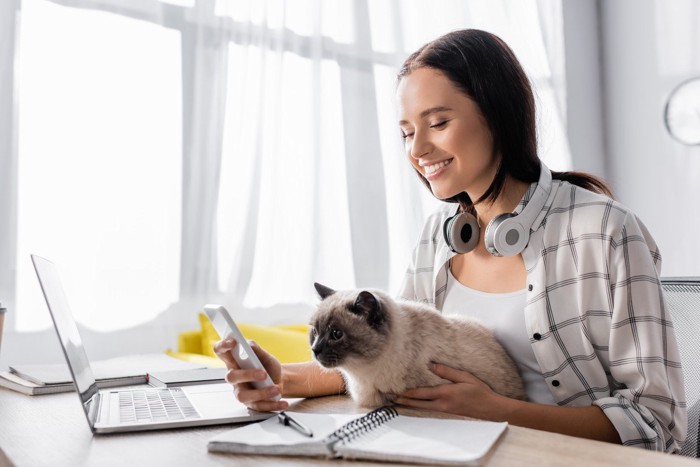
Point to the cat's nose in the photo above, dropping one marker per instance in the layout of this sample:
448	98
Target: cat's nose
317	347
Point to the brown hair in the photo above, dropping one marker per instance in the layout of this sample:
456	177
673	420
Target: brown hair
484	68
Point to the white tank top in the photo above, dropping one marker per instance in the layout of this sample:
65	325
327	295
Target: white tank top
504	314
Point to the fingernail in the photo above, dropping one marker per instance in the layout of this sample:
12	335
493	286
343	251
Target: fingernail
260	374
273	391
432	366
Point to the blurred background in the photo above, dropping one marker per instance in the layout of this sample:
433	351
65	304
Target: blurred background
165	154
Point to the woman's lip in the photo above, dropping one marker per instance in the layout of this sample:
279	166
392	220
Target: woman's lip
424	165
438	172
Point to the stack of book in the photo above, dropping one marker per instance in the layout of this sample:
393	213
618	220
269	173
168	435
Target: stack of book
34	379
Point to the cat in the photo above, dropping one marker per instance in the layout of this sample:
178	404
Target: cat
383	346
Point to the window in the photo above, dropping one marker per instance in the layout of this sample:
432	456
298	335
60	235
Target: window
178	152
99	164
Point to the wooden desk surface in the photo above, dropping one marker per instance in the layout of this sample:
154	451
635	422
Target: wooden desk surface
52	430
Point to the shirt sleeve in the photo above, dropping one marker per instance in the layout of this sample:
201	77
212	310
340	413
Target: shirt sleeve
418	284
408	289
647	405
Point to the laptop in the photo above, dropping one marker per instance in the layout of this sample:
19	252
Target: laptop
121	410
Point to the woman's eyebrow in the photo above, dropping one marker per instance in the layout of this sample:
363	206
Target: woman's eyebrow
426	112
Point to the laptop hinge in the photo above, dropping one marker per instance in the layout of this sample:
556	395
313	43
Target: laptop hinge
93	408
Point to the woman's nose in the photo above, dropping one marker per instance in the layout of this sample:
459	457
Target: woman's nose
420	146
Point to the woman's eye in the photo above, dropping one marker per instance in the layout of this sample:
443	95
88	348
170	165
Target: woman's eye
439	125
336	334
406	135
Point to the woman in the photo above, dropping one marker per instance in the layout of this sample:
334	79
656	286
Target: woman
569	282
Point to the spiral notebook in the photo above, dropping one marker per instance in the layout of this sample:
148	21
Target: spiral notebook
381	435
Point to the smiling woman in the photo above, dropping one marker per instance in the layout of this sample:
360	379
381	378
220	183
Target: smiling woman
573	296
579	269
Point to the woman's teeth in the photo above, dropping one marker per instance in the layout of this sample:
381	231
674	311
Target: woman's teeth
432	168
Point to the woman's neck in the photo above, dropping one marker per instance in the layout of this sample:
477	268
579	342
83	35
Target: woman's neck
513	191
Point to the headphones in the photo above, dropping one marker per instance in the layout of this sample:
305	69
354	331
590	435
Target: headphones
507	234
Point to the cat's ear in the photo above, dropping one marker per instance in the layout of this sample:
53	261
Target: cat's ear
323	291
366	304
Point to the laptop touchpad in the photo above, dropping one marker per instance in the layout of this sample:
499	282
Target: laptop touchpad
215	400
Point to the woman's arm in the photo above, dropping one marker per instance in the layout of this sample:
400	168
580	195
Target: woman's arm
467	395
291	380
309	379
583	422
647	403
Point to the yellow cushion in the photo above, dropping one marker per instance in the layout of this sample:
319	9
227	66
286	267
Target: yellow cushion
304	328
190	342
209	335
289	343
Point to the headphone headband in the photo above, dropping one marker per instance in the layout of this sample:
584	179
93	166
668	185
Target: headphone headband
534	206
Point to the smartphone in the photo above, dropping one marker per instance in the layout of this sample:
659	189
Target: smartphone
242	353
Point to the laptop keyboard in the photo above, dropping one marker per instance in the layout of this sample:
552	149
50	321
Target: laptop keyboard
155	405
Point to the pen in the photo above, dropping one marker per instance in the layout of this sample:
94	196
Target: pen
286	420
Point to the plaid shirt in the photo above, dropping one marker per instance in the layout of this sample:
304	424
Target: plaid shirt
594	309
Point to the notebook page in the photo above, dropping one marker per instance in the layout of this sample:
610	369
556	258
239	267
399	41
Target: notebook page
426	440
271	437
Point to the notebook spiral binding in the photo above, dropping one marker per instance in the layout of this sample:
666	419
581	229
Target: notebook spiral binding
362	425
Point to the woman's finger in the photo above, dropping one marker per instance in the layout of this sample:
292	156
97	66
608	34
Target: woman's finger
250	395
222	349
235	376
417	403
268	406
424	393
451	374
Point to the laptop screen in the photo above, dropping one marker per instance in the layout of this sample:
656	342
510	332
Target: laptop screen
67	330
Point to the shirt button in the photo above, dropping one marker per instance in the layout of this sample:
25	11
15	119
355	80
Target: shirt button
529	287
537	336
555	383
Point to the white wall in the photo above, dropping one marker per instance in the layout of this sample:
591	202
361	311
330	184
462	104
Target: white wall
646	47
585	125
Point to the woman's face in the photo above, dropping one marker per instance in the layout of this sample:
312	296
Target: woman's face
445	136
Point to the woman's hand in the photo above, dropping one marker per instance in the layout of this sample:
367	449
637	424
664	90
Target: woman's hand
256	399
469	396
464	395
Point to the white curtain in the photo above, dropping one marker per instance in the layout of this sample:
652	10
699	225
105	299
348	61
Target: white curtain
169	154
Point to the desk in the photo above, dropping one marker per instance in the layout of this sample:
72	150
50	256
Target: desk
52	430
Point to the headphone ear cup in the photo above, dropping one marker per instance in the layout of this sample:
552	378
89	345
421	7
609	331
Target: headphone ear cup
461	232
508	234
505	236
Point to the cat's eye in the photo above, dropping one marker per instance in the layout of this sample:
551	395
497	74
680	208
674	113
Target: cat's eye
336	334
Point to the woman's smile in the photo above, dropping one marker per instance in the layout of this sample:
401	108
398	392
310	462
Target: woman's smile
433	171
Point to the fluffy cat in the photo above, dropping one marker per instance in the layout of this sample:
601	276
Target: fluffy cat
383	346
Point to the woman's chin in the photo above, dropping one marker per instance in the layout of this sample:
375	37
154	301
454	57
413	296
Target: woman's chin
442	193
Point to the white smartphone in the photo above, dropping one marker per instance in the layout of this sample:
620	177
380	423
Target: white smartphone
242	353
